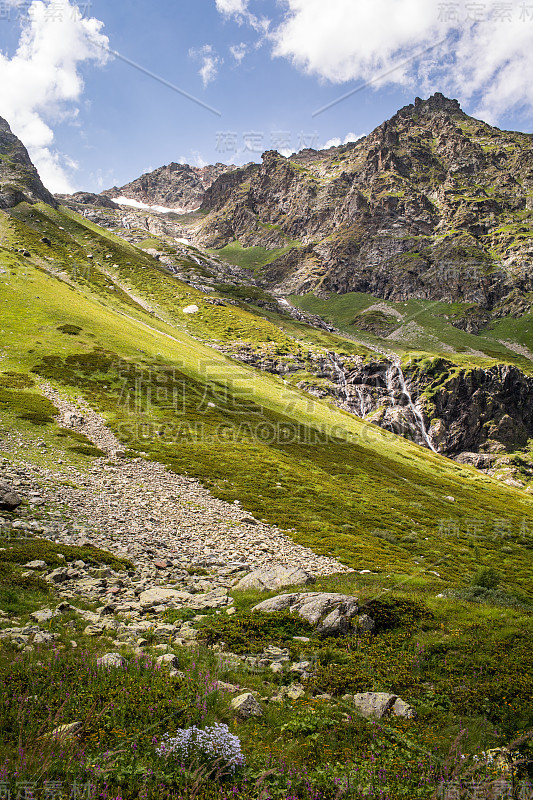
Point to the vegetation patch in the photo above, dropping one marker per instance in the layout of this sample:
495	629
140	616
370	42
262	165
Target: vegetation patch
28	406
252	632
22	551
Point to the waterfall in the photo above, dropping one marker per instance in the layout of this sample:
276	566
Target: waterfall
340	374
362	401
419	419
343	385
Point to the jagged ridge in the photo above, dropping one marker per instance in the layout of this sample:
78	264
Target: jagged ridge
432	204
19	180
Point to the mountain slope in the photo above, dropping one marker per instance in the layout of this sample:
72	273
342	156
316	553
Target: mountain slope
343	487
176	186
19	180
433	204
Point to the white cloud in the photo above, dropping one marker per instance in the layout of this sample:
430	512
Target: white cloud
490	56
337	141
210	63
238	51
232	7
238	9
41	83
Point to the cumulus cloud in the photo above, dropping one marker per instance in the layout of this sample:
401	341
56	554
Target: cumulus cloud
41	84
337	141
480	52
210	63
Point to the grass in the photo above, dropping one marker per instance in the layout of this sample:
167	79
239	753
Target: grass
464	667
341	486
252	258
435	333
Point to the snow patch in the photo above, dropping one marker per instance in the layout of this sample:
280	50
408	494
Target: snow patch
126	201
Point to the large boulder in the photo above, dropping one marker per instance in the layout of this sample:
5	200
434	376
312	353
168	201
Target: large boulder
157	596
246	706
9	499
268	579
381	704
111	660
332	614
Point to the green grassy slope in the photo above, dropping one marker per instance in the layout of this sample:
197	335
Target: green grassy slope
344	487
424	326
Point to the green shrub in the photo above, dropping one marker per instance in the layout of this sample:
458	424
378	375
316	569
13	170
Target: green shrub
16	380
395	612
29	406
71	330
87	450
252	632
487	578
22	551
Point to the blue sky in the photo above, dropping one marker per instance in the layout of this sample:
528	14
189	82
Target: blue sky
91	120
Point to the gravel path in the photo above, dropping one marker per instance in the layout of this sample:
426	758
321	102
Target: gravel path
141	509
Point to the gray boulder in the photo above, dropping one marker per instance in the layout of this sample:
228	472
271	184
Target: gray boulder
168	660
332	614
9	499
403	709
275	578
381	704
111	660
374	704
44	615
58	575
246	706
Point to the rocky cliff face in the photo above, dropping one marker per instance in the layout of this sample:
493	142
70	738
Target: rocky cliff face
177	186
476	416
433	204
19	180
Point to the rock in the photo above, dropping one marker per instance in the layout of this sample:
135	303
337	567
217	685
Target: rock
9	499
111	660
44	615
374	704
65	731
191	309
403	709
295	691
43	637
169	660
246	706
35	565
227	687
275	578
300	667
59	575
159	596
94	630
332	614
71	419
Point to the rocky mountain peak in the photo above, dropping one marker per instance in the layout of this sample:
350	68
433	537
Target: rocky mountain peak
437	102
19	180
432	204
174	186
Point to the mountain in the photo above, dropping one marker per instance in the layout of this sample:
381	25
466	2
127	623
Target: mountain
176	186
432	204
19	180
151	476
